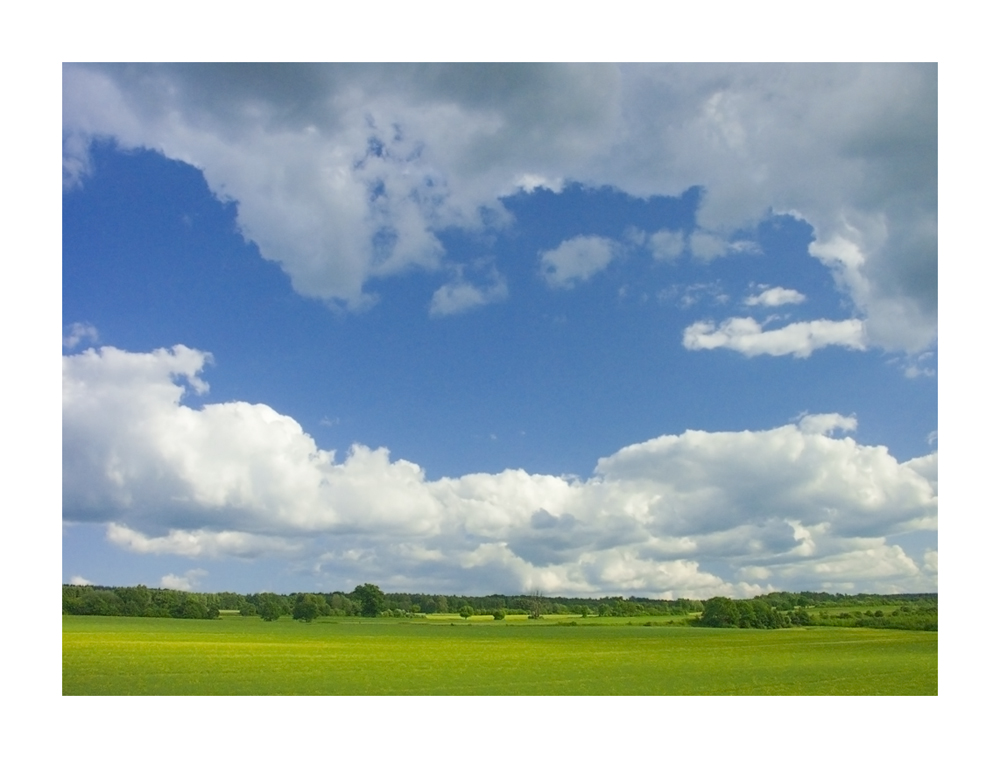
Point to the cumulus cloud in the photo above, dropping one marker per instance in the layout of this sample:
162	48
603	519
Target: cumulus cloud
186	582
576	260
706	246
200	543
919	364
79	581
460	295
344	173
79	332
666	245
870	563
825	423
931	561
240	480
800	339
773	297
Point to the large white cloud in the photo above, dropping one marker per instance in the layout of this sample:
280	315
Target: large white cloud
346	173
790	506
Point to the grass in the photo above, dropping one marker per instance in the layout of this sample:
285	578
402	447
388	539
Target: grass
438	656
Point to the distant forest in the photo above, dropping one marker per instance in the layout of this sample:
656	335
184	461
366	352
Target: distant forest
771	611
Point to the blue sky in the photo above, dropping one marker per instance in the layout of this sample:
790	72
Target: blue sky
644	330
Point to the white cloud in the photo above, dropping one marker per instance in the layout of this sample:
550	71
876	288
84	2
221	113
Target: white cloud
76	159
919	365
347	173
79	332
931	561
200	543
531	182
79	581
775	296
706	246
576	260
824	423
927	467
461	295
240	480
872	565
800	339
186	583
666	245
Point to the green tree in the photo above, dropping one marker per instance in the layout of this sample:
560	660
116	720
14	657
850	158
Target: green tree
306	608
99	603
341	605
465	611
720	611
370	598
499	614
535	605
135	600
191	607
269	610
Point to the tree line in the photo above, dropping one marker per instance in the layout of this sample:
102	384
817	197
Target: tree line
89	600
772	611
364	600
778	610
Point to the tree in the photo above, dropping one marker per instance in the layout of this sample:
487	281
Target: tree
535	605
99	603
370	598
341	605
192	607
800	617
269	610
499	614
720	611
465	611
307	607
135	600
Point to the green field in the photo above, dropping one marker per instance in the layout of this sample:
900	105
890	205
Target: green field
448	656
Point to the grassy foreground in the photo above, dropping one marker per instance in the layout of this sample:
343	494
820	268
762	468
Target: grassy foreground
346	656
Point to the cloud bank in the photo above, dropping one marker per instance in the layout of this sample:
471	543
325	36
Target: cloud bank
693	514
347	173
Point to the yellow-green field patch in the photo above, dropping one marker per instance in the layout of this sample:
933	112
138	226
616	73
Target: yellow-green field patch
247	656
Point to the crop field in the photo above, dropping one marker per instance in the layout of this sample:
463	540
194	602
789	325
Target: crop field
234	655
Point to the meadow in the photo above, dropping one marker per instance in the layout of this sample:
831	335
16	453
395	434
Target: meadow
446	655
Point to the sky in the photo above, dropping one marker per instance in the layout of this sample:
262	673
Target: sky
653	330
